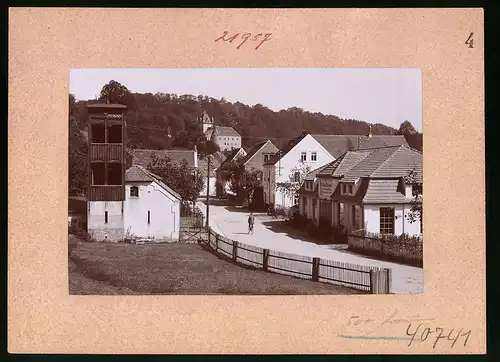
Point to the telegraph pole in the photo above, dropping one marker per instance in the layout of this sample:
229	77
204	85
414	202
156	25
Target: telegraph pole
208	186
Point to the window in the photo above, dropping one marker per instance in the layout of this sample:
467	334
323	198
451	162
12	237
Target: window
98	174
266	157
296	199
149	217
115	174
105	217
314	156
98	133
134	191
346	189
303	156
309	185
387	220
296	176
115	134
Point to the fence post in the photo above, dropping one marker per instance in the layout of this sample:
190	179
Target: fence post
235	250
315	269
265	259
216	242
372	282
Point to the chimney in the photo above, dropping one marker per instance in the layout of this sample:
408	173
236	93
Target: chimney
370	132
195	156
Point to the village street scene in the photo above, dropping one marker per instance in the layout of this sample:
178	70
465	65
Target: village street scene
212	189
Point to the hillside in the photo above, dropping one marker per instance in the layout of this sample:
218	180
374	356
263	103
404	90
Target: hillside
162	120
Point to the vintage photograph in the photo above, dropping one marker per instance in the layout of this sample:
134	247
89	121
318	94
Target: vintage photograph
245	181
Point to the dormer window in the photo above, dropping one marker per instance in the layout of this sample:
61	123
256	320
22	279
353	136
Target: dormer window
134	191
347	189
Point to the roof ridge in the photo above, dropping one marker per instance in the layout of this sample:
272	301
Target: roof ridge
386	160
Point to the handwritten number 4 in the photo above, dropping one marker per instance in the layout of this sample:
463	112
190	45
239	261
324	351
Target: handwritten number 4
470	40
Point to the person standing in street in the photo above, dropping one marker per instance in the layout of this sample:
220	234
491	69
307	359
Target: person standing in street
250	223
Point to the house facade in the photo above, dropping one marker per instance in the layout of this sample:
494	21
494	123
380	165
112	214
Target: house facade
310	152
304	151
366	190
226	138
150	210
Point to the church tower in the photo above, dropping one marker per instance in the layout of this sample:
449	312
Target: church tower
207	124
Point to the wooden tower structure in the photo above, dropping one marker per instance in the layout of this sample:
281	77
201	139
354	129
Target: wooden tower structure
106	169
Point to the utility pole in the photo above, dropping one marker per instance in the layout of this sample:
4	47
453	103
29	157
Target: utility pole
208	186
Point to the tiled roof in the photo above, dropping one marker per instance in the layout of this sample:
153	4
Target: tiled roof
232	156
349	160
138	173
381	171
253	151
337	145
290	145
107	105
226	131
384	191
398	164
311	176
143	157
219	157
369	164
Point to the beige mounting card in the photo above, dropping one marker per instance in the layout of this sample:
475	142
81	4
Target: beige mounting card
449	317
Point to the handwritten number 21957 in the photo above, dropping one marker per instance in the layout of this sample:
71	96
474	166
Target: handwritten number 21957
244	37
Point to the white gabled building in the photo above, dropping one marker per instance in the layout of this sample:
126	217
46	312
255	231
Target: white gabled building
313	151
151	208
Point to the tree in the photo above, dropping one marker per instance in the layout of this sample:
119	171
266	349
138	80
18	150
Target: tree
77	153
411	135
406	128
295	180
115	92
416	209
242	182
180	178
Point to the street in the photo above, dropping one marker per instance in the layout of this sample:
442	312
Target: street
273	234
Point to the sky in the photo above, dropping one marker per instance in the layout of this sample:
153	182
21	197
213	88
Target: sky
375	95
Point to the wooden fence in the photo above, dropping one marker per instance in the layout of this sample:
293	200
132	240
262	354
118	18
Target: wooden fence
370	279
410	249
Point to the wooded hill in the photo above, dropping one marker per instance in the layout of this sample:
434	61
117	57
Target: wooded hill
158	121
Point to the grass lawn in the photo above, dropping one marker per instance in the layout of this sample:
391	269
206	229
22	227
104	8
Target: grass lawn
105	268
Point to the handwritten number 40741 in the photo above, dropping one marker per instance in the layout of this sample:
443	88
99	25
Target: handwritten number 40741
261	38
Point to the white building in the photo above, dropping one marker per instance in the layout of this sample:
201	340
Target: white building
365	189
311	152
150	210
225	137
